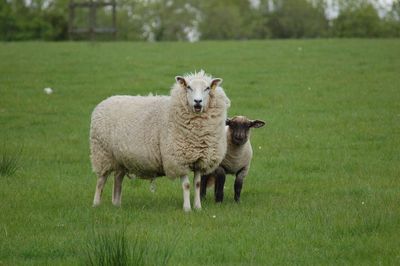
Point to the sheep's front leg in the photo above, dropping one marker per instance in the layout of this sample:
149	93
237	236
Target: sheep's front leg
186	193
239	182
196	182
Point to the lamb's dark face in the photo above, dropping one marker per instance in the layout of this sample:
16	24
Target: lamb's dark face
198	92
239	128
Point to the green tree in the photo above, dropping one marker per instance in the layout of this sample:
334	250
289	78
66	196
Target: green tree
391	22
297	19
129	21
166	20
22	21
7	21
357	22
229	19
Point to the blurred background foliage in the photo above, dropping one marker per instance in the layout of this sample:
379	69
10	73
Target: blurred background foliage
192	20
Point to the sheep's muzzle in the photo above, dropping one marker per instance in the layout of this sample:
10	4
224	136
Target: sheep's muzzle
197	108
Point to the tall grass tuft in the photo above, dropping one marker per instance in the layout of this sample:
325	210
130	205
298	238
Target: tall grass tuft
9	161
107	249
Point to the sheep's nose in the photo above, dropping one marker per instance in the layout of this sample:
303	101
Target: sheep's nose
198	101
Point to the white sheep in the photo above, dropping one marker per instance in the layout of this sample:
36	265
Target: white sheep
237	159
153	136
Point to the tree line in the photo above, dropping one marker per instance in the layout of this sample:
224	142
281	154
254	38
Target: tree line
171	20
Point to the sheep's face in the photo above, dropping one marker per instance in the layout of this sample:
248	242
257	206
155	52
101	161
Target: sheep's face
198	92
239	128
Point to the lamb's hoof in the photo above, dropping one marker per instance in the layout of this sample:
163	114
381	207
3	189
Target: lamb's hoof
96	204
197	207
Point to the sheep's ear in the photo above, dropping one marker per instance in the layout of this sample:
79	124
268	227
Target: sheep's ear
181	81
257	123
215	83
228	122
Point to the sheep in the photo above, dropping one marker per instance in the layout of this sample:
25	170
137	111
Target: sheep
154	136
237	159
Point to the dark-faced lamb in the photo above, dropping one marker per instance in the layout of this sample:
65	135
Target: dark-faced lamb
237	158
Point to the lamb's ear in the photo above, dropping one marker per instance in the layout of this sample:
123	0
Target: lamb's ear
257	123
215	83
181	81
228	122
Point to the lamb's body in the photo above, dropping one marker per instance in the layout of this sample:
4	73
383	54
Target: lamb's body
154	136
237	158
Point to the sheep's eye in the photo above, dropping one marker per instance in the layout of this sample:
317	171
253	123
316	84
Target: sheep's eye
207	89
189	88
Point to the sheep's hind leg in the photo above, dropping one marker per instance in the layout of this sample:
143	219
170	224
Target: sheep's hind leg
196	182
186	193
101	180
117	191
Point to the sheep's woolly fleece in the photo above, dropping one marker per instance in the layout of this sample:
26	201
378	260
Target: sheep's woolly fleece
159	135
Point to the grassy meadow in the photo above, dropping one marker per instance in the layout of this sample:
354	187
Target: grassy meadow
324	184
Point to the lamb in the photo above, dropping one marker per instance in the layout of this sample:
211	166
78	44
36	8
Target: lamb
154	136
237	159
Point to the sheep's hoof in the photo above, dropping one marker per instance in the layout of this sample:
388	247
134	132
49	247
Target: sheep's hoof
96	204
187	209
197	207
117	204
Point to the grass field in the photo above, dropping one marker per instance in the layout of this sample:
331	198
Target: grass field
324	185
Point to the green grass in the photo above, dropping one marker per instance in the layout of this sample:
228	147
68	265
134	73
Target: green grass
115	249
323	188
9	160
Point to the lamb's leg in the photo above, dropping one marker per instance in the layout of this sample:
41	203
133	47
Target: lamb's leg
203	187
117	192
239	182
196	182
186	193
219	184
101	180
